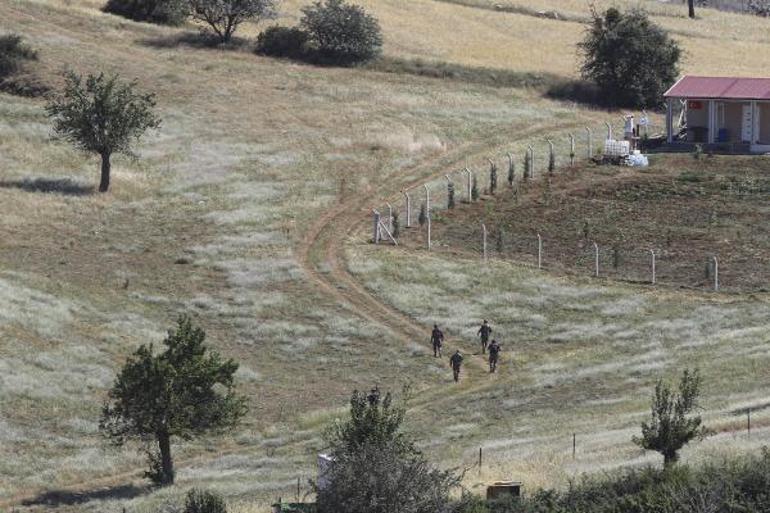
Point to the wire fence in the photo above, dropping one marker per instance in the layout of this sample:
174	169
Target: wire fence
631	261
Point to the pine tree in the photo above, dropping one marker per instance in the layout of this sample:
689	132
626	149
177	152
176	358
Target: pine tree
670	427
396	225
511	170
474	189
184	391
423	217
551	162
527	166
450	195
499	242
492	178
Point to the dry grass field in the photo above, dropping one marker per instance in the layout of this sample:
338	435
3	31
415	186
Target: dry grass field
239	211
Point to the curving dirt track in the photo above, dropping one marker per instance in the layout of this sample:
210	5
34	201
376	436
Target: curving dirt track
326	239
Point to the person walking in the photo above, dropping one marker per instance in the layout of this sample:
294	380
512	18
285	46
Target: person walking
436	340
456	361
494	355
484	331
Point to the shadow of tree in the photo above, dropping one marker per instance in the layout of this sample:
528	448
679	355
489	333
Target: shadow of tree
194	40
65	186
70	498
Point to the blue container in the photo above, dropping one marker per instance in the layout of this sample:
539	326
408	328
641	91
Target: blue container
723	135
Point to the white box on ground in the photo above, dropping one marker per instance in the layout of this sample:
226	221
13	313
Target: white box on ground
324	464
613	148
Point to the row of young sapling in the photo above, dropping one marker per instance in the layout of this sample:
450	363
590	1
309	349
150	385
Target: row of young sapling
387	224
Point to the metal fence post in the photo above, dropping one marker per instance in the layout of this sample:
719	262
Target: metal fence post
596	258
652	255
427	212
470	185
376	234
590	143
539	251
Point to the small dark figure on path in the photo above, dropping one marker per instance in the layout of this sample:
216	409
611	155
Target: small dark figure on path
436	339
494	355
484	331
456	361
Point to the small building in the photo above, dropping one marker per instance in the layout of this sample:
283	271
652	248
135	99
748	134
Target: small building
728	113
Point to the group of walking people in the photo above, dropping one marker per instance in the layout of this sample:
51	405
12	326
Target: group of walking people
456	360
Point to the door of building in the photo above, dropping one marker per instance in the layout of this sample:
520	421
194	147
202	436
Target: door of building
747	124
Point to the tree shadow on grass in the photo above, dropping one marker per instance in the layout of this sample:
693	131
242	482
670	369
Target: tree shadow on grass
64	186
56	498
194	40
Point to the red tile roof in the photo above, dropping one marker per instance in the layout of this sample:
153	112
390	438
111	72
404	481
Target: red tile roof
728	88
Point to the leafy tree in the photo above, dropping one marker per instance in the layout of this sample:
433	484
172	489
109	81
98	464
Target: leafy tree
632	60
377	468
184	391
202	501
450	189
671	427
224	16
163	12
102	116
341	33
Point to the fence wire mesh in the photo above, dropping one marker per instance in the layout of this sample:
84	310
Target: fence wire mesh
627	261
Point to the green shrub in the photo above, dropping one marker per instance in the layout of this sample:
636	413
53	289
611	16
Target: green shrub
423	217
277	41
736	485
162	12
759	7
632	60
203	501
13	53
341	33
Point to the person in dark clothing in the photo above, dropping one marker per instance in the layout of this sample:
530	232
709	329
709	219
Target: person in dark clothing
494	355
456	361
484	331
436	339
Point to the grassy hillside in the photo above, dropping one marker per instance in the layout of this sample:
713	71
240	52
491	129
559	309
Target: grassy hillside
238	212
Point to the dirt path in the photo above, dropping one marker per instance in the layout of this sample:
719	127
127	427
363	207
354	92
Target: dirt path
326	241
